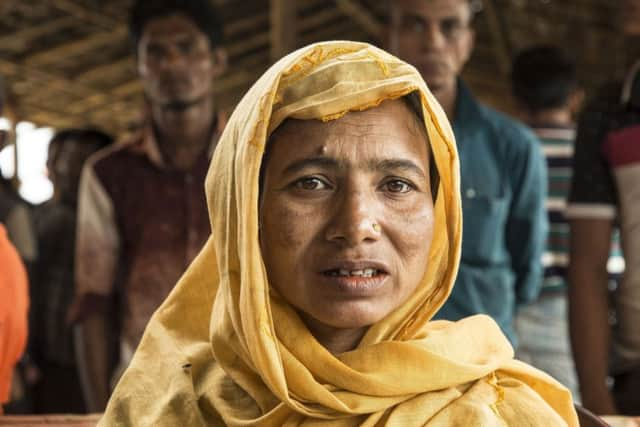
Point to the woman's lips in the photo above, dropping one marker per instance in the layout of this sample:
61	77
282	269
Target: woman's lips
354	283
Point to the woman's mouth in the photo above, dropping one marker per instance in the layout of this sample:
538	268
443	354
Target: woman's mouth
360	282
341	272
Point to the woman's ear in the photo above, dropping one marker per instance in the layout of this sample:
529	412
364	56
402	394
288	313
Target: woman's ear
220	61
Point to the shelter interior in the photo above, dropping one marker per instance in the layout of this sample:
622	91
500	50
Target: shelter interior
69	63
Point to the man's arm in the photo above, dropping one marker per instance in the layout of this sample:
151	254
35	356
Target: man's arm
591	212
527	224
95	344
588	310
97	255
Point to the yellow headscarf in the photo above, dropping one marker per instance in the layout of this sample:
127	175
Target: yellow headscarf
224	350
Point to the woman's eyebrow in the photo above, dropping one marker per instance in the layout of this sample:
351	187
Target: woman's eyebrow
386	165
319	162
392	165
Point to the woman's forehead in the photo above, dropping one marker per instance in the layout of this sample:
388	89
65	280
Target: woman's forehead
390	124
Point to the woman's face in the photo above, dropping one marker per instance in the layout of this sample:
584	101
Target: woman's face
346	214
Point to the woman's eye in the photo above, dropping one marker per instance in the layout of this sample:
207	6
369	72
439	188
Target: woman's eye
398	186
311	184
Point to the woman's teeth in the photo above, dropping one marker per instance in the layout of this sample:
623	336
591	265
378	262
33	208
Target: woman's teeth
367	272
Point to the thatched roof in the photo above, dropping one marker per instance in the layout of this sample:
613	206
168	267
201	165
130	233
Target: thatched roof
69	62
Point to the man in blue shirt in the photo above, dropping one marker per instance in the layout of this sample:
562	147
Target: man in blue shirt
503	172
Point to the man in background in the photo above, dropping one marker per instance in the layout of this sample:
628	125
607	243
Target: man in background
57	389
548	97
605	192
142	214
503	177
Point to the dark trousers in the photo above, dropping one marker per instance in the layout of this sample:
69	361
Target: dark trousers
626	392
58	391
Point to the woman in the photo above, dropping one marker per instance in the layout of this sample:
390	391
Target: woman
330	252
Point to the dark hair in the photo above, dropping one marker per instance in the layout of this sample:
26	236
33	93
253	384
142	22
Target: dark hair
201	12
543	77
413	102
84	136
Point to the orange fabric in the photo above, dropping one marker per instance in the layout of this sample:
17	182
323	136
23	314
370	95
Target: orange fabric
14	306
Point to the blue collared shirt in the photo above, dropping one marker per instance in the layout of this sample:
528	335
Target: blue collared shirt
503	184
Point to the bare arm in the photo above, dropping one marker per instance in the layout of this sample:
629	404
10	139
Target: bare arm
588	310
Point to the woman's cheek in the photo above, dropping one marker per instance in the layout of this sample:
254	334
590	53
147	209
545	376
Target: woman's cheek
288	225
414	228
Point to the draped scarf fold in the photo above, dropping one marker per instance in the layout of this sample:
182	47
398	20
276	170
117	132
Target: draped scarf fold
224	349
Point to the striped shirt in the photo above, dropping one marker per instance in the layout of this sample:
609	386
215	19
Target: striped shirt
557	146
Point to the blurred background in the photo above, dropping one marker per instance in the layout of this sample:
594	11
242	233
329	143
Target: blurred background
68	63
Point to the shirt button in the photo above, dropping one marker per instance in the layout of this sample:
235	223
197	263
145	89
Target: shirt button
471	193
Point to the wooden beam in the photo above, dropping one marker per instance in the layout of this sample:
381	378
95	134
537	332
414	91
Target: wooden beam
317	22
84	14
239	27
499	35
53	82
134	87
365	19
86	103
70	49
119	66
253	42
249	68
116	116
245	25
103	72
283	27
19	40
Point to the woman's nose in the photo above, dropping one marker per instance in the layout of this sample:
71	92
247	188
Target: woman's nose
354	220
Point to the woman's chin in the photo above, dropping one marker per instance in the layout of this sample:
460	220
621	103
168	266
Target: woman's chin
348	315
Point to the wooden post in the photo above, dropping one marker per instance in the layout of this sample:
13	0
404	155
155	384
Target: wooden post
11	135
501	43
360	15
283	28
8	126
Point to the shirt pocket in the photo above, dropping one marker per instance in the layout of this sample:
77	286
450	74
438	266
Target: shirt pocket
483	235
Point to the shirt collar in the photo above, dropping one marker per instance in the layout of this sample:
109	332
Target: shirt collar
146	143
467	109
